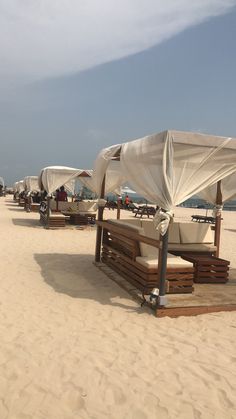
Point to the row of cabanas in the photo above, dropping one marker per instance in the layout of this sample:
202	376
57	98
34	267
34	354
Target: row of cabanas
50	179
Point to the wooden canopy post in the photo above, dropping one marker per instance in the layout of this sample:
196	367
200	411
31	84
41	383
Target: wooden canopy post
30	202
118	209
99	229
48	211
218	218
161	301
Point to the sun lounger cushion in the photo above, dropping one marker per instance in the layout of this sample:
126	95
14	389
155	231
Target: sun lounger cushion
88	206
195	233
172	262
174	234
64	206
192	247
151	232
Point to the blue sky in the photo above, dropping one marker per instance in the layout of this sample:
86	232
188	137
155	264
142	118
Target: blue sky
182	79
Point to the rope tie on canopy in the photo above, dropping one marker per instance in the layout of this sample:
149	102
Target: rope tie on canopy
162	220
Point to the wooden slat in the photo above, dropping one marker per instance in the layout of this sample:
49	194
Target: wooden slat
143	288
212	274
175	284
193	311
123	268
133	268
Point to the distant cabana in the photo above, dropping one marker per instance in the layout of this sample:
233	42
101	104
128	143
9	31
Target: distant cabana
2	183
19	189
2	186
31	184
166	169
52	178
19	185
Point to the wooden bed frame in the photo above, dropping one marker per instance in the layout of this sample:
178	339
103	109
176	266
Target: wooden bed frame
120	247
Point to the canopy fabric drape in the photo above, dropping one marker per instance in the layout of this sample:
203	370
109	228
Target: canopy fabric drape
172	166
19	186
105	164
2	182
31	184
53	177
228	190
88	180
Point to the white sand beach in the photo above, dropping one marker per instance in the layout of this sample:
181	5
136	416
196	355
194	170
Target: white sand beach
74	345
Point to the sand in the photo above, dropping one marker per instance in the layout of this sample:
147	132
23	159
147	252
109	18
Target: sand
76	345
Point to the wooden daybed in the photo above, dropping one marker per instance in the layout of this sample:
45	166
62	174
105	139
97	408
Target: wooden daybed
79	213
128	250
130	247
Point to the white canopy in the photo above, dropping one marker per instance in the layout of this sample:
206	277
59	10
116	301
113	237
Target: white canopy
52	177
228	190
114	177
31	184
19	186
170	167
2	182
88	180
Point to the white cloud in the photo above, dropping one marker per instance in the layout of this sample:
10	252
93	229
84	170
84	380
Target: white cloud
47	38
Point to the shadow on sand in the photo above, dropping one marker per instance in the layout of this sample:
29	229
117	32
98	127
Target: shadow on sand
16	209
24	222
232	276
77	277
233	230
13	205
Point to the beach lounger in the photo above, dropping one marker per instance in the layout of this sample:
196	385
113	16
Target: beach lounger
144	210
203	219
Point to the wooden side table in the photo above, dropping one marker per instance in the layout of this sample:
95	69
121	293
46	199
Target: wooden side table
208	269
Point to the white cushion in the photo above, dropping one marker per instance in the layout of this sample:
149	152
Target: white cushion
172	262
64	206
195	233
174	234
192	247
88	206
151	232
